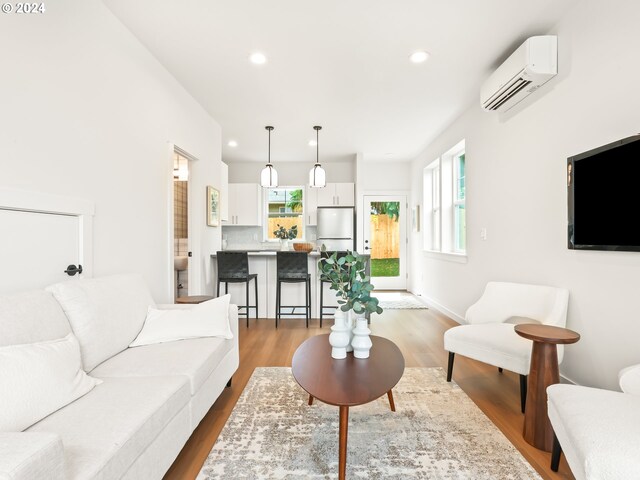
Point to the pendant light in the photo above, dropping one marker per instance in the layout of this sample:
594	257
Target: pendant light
317	177
269	176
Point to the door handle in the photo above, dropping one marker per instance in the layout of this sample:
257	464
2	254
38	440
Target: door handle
72	270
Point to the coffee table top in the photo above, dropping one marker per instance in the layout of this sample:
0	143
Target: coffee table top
547	333
350	381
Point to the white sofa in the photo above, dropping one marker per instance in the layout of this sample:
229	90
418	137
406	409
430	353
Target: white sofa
598	429
134	423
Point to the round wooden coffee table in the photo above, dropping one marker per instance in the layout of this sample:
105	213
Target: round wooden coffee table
349	382
543	372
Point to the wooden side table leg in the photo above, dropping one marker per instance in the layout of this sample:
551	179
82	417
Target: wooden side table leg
310	399
543	372
342	449
391	403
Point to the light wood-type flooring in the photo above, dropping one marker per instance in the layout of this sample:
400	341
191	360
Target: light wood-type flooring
419	335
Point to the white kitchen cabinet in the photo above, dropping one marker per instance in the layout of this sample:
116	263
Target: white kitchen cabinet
245	204
333	195
224	192
336	195
311	205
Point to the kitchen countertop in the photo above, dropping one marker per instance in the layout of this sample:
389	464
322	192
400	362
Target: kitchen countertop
266	253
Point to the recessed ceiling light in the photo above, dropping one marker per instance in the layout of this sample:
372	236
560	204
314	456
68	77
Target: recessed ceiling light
312	143
232	143
258	58
419	56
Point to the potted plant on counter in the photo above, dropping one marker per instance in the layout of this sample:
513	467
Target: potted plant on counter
346	276
285	235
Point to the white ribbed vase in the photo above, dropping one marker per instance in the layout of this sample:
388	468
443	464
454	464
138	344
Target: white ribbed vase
339	336
361	342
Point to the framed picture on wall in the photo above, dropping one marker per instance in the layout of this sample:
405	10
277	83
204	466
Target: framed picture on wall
213	207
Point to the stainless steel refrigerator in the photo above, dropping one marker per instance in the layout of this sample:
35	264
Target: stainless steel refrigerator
336	228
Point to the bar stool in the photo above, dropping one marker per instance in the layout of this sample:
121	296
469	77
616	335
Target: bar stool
322	283
233	267
293	267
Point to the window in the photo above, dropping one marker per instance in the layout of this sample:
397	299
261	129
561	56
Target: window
285	207
444	182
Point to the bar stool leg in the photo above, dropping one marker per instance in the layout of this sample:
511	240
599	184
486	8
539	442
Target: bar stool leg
218	289
277	301
307	301
256	288
246	293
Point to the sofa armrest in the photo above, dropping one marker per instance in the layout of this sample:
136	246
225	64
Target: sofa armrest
629	379
233	322
29	455
175	306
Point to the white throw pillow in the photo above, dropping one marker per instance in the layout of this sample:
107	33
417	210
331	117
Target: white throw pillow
207	319
39	378
106	313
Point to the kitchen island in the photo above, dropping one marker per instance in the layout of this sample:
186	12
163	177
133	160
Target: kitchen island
263	262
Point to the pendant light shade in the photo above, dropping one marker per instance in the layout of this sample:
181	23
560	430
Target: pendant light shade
269	176
317	176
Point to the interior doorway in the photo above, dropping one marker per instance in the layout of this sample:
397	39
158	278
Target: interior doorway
181	253
385	239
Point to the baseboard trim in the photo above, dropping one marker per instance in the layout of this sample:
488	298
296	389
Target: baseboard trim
442	309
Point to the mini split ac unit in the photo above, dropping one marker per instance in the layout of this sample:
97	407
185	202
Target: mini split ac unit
532	65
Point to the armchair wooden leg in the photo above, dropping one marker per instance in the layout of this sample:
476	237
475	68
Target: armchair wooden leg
556	452
450	366
523	392
310	399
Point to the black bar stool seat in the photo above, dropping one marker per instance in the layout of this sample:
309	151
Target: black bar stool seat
233	267
293	267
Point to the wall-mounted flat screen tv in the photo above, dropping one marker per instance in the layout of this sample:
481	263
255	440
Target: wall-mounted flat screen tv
604	197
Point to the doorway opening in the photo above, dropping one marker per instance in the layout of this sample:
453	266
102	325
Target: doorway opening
181	225
385	240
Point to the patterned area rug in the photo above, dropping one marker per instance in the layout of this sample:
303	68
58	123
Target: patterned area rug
437	432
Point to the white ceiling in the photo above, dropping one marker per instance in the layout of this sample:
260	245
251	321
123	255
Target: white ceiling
342	64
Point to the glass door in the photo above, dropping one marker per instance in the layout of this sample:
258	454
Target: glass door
385	240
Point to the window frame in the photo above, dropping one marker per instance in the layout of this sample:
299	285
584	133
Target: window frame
442	237
266	216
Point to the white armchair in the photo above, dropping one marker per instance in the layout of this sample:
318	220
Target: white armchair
489	335
597	429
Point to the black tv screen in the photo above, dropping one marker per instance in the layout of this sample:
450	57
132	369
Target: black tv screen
604	198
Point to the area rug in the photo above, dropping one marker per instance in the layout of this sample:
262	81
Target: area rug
437	432
404	302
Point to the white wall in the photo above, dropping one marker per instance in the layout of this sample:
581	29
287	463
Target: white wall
88	112
291	173
516	188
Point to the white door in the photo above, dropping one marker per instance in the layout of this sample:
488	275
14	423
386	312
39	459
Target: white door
41	236
385	239
37	249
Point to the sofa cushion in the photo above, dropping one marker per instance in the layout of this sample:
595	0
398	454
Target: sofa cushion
196	358
494	343
629	379
106	430
105	313
39	378
29	455
30	317
597	429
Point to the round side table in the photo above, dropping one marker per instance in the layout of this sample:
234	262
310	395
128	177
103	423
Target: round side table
193	299
543	372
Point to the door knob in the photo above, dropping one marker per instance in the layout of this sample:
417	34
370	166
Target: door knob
72	270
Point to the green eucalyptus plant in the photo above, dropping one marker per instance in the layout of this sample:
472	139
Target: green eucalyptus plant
346	275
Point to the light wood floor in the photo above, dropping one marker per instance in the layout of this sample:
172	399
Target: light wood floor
419	335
